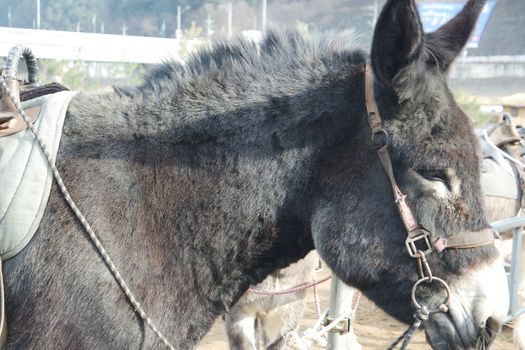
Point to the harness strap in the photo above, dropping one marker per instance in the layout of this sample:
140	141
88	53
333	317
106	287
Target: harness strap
466	239
379	135
461	240
514	149
3	323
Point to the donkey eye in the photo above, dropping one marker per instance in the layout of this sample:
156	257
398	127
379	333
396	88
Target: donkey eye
435	175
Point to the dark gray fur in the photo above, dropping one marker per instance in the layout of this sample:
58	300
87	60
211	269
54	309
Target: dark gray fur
207	179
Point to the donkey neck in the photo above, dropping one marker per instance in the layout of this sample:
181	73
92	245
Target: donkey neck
209	202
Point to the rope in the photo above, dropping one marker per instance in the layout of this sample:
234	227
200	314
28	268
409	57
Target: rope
356	300
292	290
421	315
313	336
105	256
317	302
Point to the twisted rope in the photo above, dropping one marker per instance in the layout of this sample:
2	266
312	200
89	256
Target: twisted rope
292	290
317	302
94	238
421	315
356	300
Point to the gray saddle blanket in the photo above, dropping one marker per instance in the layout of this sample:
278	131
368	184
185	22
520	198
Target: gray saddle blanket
25	175
497	182
498	176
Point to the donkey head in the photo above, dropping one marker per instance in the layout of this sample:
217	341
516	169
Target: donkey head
434	152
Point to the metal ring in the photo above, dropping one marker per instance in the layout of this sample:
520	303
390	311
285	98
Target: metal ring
379	138
443	306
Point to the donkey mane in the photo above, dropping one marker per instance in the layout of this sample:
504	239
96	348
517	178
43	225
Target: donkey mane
241	90
240	60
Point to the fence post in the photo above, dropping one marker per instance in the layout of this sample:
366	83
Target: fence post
341	297
514	280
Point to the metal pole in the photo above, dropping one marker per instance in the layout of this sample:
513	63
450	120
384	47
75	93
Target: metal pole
514	281
263	21
179	15
508	224
178	31
340	301
230	18
209	30
37	14
180	11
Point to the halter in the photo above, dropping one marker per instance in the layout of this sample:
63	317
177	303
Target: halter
419	241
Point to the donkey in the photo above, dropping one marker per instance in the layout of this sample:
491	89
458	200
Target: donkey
239	163
271	321
501	181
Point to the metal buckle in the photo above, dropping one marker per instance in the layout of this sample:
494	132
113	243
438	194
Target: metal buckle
379	137
424	237
342	327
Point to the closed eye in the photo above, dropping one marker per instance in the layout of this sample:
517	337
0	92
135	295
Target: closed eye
435	175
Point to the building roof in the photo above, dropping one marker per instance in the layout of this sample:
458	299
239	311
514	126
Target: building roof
516	100
505	31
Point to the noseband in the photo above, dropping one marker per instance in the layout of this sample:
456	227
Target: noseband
419	241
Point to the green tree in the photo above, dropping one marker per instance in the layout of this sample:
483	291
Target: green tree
64	14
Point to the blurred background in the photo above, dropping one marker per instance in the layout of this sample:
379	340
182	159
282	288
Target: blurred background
92	44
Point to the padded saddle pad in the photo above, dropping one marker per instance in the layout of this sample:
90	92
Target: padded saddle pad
25	175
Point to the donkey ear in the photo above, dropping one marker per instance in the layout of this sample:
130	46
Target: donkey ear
447	42
398	39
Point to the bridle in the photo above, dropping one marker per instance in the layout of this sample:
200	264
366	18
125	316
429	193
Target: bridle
419	241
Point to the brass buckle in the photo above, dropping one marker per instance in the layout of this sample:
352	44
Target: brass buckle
343	327
413	250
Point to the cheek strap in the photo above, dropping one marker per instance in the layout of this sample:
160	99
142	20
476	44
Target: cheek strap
419	239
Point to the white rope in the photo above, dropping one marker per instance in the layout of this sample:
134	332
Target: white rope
316	334
107	259
306	340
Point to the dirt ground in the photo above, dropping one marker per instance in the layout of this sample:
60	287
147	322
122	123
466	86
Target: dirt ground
374	329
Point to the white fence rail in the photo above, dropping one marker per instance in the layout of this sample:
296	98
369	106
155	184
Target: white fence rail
94	47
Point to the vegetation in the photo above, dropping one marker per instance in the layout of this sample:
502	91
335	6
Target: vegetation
134	17
159	17
470	105
90	76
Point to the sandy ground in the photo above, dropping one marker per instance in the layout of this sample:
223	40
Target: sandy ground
374	329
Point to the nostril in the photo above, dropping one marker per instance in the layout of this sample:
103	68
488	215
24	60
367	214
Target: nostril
490	328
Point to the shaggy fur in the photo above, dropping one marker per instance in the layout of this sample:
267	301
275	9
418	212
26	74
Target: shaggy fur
212	175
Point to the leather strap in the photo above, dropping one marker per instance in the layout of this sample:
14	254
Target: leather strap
374	120
18	124
462	240
514	149
466	239
3	322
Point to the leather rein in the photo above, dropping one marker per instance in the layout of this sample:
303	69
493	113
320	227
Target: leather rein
419	241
